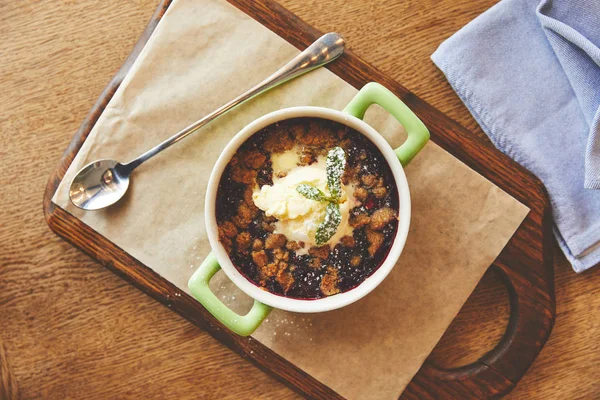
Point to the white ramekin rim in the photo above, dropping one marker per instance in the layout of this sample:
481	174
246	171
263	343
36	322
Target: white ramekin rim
331	302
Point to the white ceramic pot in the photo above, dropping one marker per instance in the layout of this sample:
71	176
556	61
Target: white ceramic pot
264	300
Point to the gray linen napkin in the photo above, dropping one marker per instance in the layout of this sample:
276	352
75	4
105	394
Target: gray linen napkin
529	72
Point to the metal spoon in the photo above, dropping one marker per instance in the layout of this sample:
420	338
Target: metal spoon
103	182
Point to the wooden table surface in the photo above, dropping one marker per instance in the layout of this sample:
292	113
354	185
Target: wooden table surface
71	329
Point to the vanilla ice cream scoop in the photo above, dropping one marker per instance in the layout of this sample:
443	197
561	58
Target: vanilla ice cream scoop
297	216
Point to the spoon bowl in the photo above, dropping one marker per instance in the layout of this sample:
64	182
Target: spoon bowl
98	185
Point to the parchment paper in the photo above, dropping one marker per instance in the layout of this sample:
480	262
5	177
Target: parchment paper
202	54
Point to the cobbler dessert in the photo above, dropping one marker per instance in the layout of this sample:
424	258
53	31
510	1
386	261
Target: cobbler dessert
307	208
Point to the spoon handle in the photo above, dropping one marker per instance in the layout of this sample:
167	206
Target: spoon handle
324	50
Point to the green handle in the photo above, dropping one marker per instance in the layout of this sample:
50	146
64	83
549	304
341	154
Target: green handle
374	93
242	325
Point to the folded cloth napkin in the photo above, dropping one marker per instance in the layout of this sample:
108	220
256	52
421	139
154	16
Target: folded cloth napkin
529	72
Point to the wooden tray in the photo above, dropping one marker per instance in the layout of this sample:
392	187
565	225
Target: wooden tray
525	263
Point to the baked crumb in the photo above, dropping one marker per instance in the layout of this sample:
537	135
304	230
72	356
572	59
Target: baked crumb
329	282
380	192
268	227
304	137
255	159
270	270
278	143
319	136
298	130
381	217
226	242
248	197
243	175
360	194
260	258
350	175
315	263
281	255
359	220
243	241
285	279
229	229
246	213
375	240
274	241
257	245
307	157
292	245
348	241
321	252
368	179
240	223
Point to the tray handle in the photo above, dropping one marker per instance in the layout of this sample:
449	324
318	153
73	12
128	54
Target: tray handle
497	372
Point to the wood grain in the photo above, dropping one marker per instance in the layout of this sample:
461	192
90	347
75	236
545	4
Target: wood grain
72	329
9	387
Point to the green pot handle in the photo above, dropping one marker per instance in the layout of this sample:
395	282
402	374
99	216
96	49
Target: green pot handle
374	93
243	325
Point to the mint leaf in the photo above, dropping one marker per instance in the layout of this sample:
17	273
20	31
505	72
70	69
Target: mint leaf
311	192
334	167
327	228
